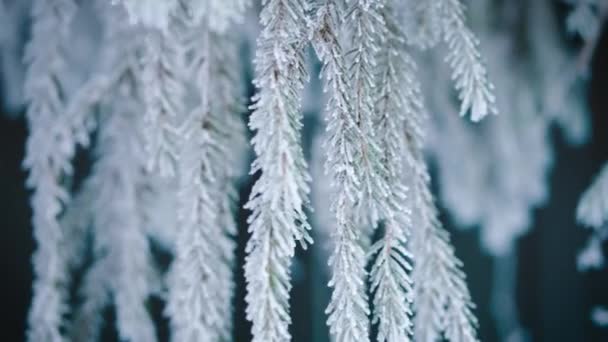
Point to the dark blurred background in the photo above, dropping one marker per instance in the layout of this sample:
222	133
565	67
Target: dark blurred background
553	298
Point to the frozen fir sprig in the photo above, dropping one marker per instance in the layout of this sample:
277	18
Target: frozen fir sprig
364	26
49	151
201	282
468	71
120	240
442	300
429	21
279	196
443	305
398	99
163	90
122	271
348	309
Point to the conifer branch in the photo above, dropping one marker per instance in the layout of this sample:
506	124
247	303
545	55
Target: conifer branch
348	308
279	197
50	148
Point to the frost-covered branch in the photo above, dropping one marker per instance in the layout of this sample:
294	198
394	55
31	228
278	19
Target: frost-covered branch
201	281
348	308
468	71
50	148
365	27
122	270
163	81
120	239
279	196
442	300
443	305
399	99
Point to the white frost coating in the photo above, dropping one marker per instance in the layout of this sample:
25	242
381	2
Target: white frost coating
159	205
96	293
442	303
163	90
150	13
468	71
200	280
279	196
348	308
121	246
50	148
398	100
122	271
364	29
